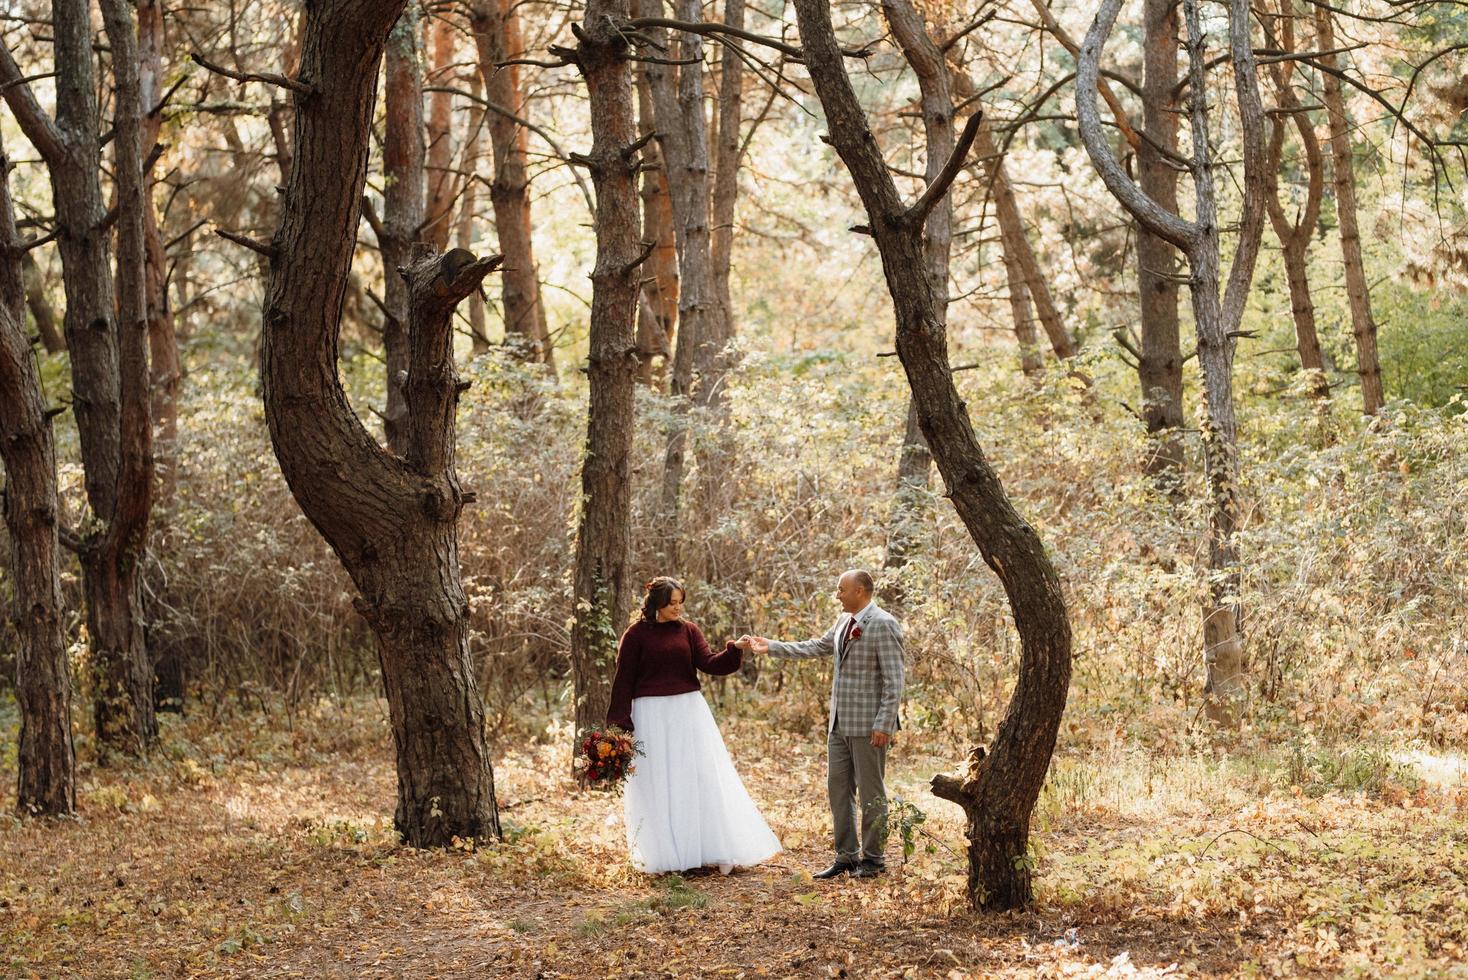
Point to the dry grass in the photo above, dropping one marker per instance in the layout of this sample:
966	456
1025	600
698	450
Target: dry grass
246	850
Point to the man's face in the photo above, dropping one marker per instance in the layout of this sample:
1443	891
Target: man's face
851	595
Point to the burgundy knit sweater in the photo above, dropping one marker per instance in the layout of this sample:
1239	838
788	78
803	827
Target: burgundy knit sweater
659	659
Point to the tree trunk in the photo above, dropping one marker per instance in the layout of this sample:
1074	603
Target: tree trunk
1362	324
107	345
392	520
602	596
403	153
1294	235
439	211
1000	802
42	312
112	562
726	179
45	759
166	367
479	335
1019	307
496	26
1019	256
1215	320
658	308
1017	240
1160	360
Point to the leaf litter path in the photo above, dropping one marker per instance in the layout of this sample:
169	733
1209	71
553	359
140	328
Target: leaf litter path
258	852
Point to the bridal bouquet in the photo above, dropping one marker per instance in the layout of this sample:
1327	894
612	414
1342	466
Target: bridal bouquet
606	757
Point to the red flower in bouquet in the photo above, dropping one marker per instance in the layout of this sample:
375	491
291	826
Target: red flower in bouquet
606	758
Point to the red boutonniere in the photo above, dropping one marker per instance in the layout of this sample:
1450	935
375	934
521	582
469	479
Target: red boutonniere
855	633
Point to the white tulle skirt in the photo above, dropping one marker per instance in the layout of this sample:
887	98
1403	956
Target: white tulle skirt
684	805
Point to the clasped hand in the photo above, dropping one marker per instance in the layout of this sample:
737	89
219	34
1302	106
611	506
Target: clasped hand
753	644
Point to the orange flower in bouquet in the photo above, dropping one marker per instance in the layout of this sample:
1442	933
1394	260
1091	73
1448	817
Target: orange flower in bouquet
605	760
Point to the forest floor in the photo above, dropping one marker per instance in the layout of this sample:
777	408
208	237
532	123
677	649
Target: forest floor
261	849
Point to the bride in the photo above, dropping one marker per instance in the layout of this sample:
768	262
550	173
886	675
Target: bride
685	807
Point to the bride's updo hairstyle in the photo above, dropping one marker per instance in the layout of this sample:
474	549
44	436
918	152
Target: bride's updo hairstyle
659	593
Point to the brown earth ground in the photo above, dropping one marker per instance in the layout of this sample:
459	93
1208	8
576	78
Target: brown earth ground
262	847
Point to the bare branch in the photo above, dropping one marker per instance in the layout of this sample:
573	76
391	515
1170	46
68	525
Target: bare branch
918	213
250	243
269	78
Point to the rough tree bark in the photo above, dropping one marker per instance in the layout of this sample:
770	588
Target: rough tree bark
657	321
1368	365
496	27
602	591
1001	797
45	758
112	423
392	520
1295	234
1216	319
1160	357
403	151
935	87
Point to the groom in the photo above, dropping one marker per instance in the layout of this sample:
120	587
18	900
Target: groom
866	690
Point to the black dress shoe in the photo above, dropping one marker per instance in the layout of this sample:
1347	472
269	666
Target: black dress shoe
836	870
867	869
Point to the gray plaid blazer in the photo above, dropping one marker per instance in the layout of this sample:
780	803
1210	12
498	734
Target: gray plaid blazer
866	683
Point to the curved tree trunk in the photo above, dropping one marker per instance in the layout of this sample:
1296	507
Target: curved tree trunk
1363	325
392	520
602	595
999	802
45	758
496	27
1216	319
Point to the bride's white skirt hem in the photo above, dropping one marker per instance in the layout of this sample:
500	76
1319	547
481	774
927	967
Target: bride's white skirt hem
685	805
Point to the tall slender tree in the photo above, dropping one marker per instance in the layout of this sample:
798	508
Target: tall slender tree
496	26
602	588
1343	175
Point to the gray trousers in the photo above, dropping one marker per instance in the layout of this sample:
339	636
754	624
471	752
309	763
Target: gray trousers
854	773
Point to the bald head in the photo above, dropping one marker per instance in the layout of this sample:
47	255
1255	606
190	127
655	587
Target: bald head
854	589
